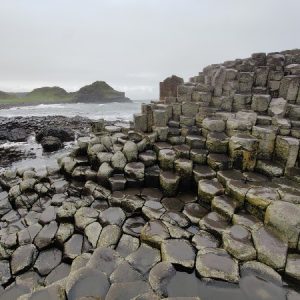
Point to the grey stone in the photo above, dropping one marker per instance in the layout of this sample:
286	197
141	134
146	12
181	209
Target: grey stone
47	261
144	258
270	249
178	252
218	264
46	236
23	258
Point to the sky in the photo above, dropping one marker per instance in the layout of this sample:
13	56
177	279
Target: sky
134	44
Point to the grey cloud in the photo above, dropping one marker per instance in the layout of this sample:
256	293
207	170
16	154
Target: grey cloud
133	44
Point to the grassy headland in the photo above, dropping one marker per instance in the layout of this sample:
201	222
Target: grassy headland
97	92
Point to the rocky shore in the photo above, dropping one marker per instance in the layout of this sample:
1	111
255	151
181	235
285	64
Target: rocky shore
199	198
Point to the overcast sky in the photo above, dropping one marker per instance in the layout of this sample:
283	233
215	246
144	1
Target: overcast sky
134	44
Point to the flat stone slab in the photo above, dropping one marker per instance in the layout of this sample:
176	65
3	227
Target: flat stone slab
144	258
87	282
179	252
292	267
127	290
237	241
204	239
218	264
47	261
270	249
154	233
23	258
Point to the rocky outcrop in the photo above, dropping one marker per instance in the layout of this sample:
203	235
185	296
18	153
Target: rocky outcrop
199	188
168	87
99	92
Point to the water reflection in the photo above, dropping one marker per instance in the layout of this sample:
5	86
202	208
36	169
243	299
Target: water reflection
249	288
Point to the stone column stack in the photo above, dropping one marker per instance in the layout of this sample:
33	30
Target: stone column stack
253	101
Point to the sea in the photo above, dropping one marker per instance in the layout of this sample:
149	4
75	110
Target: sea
108	111
114	111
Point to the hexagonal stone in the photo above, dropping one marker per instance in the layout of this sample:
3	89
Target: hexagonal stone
237	241
217	142
125	273
159	277
166	158
135	170
224	205
65	230
127	290
154	233
80	261
23	258
60	272
148	157
169	182
112	216
73	247
218	264
258	199
270	249
47	261
118	161
176	218
130	150
117	182
204	239
284	218
85	216
199	156
144	258
183	150
292	268
151	194
225	175
237	189
174	204
184	167
109	236
153	209
214	222
66	211
203	172
5	274
177	232
87	282
258	269
133	226
208	189
48	215
46	236
92	232
195	212
127	244
178	252
219	161
105	260
246	220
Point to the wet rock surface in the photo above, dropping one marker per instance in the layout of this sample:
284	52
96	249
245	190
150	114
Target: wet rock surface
200	199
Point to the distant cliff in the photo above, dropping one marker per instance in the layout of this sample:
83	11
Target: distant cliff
97	92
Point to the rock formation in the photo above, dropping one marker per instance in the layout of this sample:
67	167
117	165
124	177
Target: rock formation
207	180
168	87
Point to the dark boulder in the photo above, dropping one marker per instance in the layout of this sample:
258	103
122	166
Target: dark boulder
51	143
64	134
17	135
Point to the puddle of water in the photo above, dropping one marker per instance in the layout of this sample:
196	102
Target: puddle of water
249	288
